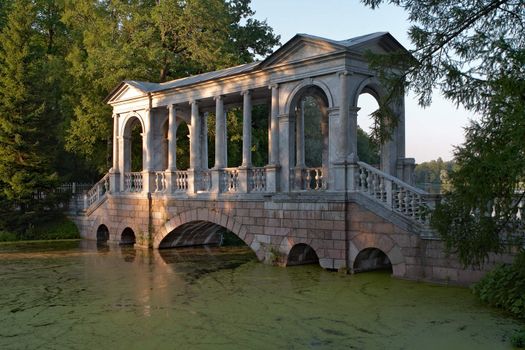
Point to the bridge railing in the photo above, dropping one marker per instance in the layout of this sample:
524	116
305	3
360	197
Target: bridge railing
161	184
308	179
204	183
133	182
180	181
257	180
230	179
395	194
97	192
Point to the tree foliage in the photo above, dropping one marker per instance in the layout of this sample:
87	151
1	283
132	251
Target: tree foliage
30	84
59	59
152	41
474	53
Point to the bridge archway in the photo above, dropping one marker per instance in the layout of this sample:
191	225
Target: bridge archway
370	259
308	115
133	141
183	144
209	219
127	237
102	234
193	233
302	254
381	242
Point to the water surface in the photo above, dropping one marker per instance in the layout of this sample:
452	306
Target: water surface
75	295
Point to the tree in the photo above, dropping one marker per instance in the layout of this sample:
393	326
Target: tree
152	41
28	114
474	52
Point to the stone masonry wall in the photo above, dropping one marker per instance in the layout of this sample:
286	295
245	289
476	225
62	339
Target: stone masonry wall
271	227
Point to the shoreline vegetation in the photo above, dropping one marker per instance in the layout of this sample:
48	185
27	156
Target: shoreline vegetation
58	228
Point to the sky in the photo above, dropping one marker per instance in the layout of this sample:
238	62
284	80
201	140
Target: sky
430	133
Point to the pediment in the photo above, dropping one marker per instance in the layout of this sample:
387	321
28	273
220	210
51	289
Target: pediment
304	46
300	48
125	92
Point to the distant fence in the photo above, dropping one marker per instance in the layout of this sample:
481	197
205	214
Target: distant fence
75	187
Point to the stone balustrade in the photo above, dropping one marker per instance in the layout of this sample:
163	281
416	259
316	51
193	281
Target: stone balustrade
257	180
230	178
133	182
97	192
397	195
391	192
161	185
180	181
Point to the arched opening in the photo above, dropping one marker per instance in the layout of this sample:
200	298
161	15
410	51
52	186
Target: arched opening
302	254
200	232
133	152
102	234
183	146
371	259
309	130
367	148
206	244
127	237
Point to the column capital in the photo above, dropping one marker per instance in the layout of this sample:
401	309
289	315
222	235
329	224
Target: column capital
192	102
115	115
354	109
218	97
273	86
344	73
173	106
246	92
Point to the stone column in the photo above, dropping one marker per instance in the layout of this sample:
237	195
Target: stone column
115	170
342	137
204	141
247	129
148	177
352	137
272	180
195	151
172	138
221	145
124	165
244	170
299	137
285	143
274	126
195	132
299	147
172	148
115	143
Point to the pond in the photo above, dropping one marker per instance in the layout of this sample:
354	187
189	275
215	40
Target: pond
77	295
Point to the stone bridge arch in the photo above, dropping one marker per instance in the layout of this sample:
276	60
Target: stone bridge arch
382	242
214	217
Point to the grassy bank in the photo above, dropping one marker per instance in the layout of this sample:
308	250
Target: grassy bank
59	228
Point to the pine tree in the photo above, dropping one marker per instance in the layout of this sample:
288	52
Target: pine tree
27	138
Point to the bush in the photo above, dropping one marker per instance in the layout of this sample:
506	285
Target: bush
60	227
7	236
504	287
518	340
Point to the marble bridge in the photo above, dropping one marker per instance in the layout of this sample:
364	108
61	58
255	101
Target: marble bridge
339	211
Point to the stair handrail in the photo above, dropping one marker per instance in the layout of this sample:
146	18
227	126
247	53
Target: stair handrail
97	192
399	196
